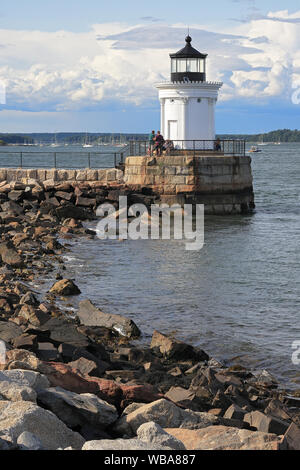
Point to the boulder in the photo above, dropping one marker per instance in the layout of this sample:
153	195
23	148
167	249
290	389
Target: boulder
33	315
89	315
180	396
292	437
63	331
25	342
18	417
164	413
176	350
28	441
21	359
78	410
122	444
69	211
268	424
235	412
14	392
61	375
65	287
47	352
30	299
10	256
226	438
153	433
25	378
85	366
9	331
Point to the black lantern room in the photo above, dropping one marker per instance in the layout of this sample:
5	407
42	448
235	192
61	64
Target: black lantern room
188	64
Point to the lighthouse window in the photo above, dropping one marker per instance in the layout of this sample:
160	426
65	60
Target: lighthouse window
192	65
173	66
202	66
181	65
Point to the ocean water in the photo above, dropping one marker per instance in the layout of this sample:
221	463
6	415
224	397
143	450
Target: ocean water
68	157
238	298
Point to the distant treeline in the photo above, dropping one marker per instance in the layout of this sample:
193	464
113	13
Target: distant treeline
281	135
15	139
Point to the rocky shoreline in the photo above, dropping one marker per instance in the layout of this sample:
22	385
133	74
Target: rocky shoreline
81	383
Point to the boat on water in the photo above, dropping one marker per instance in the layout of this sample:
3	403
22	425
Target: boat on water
254	149
87	144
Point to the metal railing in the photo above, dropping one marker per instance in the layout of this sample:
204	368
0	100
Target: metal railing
67	160
190	147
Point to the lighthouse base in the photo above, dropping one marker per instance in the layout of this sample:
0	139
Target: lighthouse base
223	184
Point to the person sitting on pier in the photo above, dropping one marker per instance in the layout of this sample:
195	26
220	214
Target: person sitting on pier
218	145
159	143
169	145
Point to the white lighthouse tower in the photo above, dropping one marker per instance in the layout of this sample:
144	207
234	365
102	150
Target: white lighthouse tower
188	100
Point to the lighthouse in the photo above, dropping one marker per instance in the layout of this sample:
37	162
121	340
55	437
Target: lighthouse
188	101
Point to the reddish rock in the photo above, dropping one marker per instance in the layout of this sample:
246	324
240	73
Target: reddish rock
62	375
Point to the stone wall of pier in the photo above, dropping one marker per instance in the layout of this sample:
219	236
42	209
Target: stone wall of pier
23	175
224	184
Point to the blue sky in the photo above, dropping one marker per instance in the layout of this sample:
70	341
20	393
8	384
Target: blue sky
90	66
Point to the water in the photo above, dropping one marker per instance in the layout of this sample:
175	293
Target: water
237	297
68	157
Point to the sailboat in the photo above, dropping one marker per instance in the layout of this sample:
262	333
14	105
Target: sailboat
262	142
87	144
55	143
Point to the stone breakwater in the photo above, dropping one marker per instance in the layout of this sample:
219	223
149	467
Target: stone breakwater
222	183
81	383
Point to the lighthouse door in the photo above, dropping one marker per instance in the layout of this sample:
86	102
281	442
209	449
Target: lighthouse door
173	130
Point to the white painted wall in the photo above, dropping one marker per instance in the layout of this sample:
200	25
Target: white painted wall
191	106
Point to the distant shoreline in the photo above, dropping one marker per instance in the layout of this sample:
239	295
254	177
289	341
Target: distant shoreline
71	138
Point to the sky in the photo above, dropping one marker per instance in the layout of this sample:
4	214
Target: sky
91	66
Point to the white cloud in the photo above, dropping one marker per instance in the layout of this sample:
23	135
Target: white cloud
115	63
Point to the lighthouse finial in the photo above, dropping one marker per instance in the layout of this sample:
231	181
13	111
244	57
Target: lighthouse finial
188	39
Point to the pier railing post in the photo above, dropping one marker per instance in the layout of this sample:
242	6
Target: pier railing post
89	160
54	159
21	159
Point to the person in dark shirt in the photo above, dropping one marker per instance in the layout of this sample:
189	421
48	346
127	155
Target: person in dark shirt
159	143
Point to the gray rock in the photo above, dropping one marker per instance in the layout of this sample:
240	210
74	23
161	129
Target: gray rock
27	378
77	410
9	331
166	414
65	332
153	433
28	441
122	444
132	407
18	417
89	315
14	392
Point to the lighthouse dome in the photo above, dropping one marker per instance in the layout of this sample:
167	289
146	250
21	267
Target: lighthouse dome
188	64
